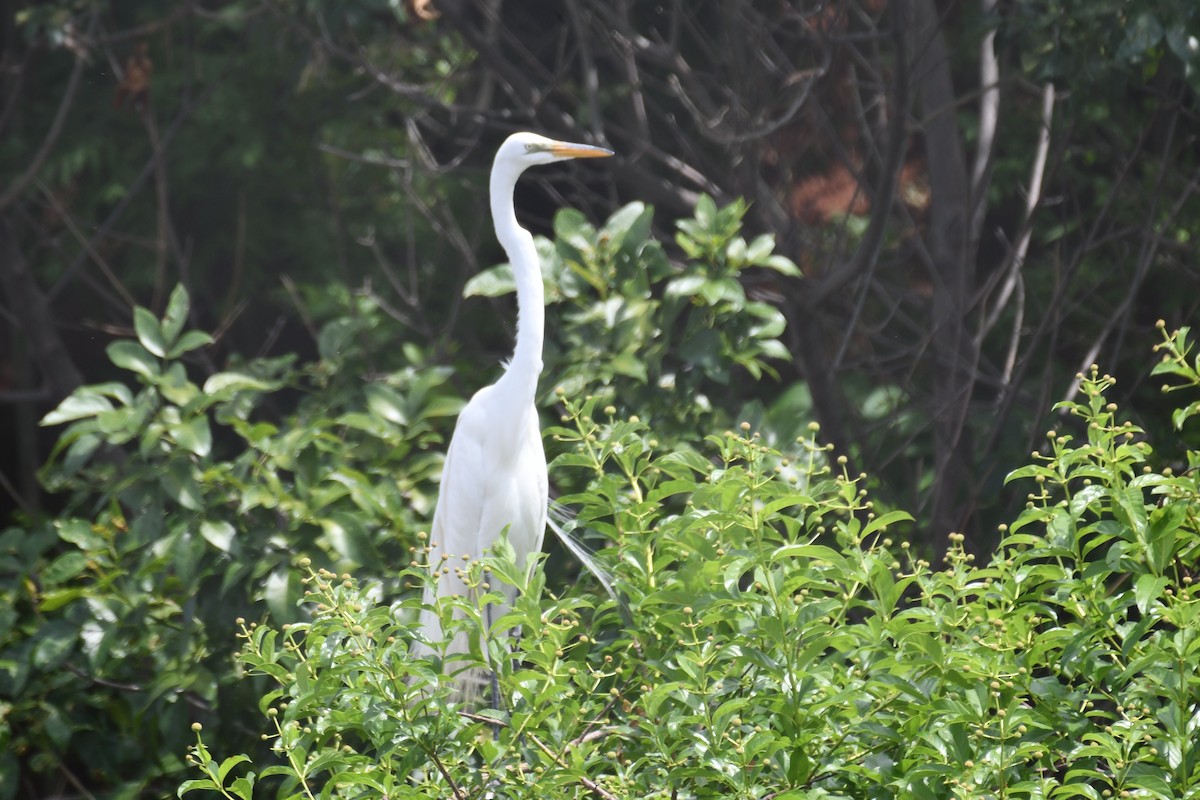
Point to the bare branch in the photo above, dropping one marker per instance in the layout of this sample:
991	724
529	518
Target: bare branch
591	79
868	249
953	273
87	245
29	305
989	114
136	185
1016	260
51	138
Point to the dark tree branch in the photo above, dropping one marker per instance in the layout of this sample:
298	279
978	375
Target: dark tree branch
19	184
883	196
953	271
28	304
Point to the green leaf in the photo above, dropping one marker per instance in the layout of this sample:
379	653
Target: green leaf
572	227
685	286
703	348
336	338
706	211
443	406
80	451
782	265
1181	43
760	248
882	522
118	421
348	536
57	725
1182	415
134	357
64	568
631	366
180	485
735	251
495	282
773	322
228	764
77	405
218	533
53	643
197	785
174	318
193	435
629	226
192	340
79	533
149	332
386	402
723	289
1144	34
225	384
1147	590
175	386
243	787
282	591
56	599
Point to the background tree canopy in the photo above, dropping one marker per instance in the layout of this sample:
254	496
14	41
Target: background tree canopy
915	224
982	200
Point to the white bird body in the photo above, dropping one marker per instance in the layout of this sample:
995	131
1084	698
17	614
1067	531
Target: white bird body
510	490
494	478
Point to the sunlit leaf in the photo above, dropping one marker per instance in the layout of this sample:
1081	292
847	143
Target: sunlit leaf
175	317
79	405
149	332
134	357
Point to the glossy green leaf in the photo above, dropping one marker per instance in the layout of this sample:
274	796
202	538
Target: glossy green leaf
387	403
189	341
194	435
134	357
53	643
81	404
494	282
349	538
149	332
219	533
175	317
225	384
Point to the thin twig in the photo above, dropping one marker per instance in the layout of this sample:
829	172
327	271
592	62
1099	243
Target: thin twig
588	783
5	483
437	762
301	309
989	113
51	138
87	244
147	170
591	79
1016	260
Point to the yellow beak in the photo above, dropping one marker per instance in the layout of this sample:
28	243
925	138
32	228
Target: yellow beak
569	150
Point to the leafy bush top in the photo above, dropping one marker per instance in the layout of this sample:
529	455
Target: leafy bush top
783	642
782	639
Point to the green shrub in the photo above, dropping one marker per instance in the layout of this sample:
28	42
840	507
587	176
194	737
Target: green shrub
781	641
671	341
189	500
185	508
784	641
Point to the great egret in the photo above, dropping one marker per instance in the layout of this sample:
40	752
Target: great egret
494	478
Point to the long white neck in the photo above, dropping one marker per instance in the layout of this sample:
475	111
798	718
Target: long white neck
526	364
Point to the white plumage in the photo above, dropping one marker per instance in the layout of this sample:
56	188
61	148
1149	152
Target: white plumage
494	477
